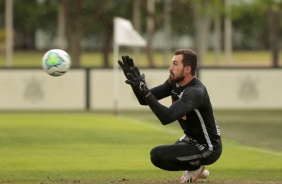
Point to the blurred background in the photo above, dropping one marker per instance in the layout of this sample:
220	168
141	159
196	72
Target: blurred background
237	42
222	32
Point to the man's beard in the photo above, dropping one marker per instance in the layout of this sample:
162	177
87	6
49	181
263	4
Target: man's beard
176	79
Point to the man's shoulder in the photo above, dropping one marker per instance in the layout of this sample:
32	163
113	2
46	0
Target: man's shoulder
197	89
198	81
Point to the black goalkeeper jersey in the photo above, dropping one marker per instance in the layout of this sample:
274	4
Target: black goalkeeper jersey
192	108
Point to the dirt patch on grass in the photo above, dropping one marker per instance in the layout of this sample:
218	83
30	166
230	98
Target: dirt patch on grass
132	181
148	181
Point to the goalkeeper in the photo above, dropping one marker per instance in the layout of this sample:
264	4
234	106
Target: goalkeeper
201	143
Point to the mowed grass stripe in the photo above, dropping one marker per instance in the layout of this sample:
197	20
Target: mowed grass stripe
238	157
102	148
85	146
178	132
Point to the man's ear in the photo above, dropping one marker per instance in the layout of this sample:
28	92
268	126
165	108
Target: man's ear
187	69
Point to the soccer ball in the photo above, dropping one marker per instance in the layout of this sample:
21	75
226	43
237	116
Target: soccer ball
56	62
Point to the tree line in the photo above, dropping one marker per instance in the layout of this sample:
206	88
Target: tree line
212	24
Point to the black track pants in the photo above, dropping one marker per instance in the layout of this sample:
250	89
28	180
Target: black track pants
185	154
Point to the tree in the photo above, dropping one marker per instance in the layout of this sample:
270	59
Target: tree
167	28
274	12
259	23
136	14
29	16
73	14
87	18
273	9
61	26
217	30
158	16
202	16
252	29
150	30
228	31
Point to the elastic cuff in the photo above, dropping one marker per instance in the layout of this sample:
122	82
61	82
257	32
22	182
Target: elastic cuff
148	97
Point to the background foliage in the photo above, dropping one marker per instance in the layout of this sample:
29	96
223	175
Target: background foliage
256	24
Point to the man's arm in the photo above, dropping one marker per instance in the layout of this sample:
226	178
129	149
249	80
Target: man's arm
190	100
162	91
159	92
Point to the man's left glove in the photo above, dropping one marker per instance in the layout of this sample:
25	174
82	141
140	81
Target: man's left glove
137	81
126	64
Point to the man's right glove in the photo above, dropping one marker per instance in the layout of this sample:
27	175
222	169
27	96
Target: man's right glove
126	64
137	81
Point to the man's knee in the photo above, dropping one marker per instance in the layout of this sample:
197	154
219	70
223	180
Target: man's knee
156	156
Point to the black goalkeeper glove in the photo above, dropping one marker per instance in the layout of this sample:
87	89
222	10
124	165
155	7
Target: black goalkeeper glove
137	81
126	64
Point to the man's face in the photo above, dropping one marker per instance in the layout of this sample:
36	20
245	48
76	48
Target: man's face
176	69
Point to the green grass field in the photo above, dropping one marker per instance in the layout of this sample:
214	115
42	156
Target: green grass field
45	148
94	59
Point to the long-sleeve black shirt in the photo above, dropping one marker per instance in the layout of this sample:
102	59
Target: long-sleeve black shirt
192	108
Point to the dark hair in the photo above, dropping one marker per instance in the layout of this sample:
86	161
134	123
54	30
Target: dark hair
189	58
